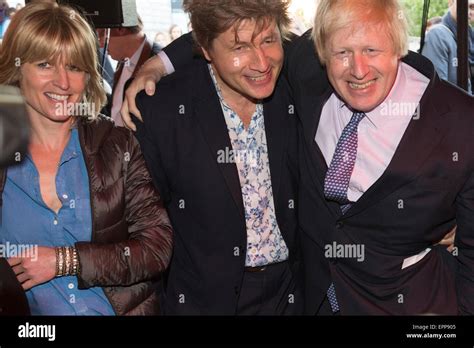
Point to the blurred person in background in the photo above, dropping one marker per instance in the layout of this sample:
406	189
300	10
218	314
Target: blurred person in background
175	32
3	15
161	39
433	21
130	47
9	13
441	44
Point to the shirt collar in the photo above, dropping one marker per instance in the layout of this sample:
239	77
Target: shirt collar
449	21
73	148
133	60
71	151
218	89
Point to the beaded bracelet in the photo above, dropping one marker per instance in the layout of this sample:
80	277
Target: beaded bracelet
67	261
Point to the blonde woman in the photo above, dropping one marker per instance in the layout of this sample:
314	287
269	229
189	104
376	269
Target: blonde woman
82	199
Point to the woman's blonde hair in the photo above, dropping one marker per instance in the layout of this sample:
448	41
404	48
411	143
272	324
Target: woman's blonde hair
51	32
333	15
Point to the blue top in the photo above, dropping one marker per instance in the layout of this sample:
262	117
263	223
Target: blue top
28	220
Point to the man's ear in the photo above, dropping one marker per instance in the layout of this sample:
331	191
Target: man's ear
206	54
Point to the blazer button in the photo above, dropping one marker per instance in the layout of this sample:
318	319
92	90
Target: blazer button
339	225
236	289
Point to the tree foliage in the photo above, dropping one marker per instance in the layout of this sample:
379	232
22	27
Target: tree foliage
414	9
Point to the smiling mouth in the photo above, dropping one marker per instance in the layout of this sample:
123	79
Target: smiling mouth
354	85
261	77
58	97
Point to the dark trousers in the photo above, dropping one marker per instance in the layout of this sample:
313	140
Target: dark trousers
271	291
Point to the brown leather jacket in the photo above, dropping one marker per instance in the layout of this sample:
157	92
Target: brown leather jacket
131	233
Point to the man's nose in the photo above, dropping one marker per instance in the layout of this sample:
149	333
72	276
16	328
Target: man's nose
359	66
260	60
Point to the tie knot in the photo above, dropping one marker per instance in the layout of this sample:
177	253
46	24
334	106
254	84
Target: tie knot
357	117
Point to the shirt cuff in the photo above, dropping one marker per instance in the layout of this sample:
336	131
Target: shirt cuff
169	68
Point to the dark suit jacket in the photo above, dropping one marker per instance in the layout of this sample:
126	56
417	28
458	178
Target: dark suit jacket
427	188
184	130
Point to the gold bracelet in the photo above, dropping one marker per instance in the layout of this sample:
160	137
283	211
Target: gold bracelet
75	262
56	250
63	251
71	261
68	261
59	262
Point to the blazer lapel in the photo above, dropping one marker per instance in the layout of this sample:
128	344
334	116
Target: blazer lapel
309	117
117	74
417	144
214	128
144	56
276	134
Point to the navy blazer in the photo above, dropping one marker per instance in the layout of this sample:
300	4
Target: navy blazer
426	190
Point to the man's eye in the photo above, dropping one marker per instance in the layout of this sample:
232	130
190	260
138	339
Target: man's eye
371	50
238	48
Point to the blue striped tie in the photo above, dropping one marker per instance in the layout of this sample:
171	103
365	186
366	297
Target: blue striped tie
338	176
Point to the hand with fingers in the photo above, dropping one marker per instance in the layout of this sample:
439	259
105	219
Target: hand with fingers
147	77
33	271
448	240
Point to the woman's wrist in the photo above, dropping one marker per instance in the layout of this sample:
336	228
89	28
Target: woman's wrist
67	261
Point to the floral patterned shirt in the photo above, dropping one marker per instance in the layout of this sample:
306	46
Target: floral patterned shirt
265	244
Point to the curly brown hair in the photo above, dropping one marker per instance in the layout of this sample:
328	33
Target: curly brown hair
209	18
